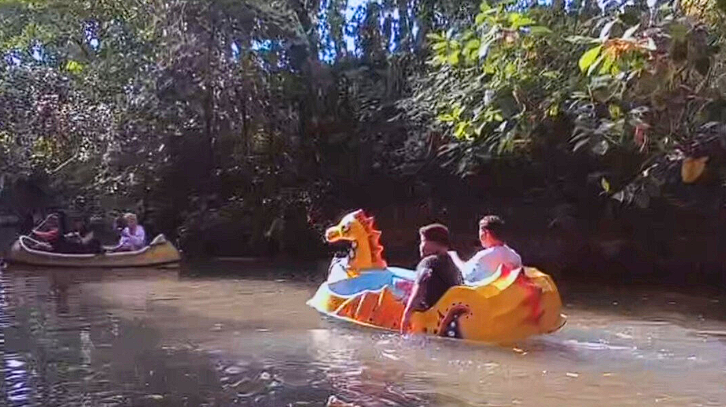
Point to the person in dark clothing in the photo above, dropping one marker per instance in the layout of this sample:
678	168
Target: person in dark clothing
82	240
26	227
435	273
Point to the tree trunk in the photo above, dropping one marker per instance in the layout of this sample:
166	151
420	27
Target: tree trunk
209	97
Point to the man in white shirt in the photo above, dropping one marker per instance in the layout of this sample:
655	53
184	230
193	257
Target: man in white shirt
485	263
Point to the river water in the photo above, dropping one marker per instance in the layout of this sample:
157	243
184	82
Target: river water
245	337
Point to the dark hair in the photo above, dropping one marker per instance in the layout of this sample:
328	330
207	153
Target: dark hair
494	225
436	232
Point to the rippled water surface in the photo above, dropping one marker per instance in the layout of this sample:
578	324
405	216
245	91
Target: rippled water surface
164	338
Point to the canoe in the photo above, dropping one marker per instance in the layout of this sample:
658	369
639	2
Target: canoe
362	289
159	252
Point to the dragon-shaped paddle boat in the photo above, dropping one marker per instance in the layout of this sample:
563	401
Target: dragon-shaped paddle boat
361	288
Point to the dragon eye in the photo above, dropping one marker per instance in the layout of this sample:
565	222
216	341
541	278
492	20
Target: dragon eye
346	228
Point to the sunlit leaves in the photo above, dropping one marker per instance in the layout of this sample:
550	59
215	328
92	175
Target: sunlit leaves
588	58
74	67
539	30
496	55
605	185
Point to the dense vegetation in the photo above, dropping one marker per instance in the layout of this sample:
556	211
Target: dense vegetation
230	123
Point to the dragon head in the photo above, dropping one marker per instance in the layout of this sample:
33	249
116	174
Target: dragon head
366	251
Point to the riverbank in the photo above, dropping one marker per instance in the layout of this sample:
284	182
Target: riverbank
595	241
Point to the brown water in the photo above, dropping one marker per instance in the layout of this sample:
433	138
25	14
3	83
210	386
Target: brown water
152	338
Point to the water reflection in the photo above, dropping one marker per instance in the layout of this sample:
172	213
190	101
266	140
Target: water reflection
149	337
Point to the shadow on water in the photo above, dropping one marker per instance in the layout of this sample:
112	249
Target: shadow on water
61	350
240	334
63	345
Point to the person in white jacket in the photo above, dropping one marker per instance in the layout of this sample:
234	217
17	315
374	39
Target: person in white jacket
133	236
496	253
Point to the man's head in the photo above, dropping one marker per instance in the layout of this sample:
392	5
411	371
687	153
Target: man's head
131	220
434	239
491	231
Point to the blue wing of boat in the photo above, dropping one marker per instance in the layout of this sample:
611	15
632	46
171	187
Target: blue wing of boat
373	280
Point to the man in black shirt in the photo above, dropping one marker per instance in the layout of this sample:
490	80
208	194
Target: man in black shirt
435	273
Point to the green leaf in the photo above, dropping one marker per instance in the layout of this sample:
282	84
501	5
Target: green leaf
523	22
439	45
484	6
615	111
74	67
454	58
439	59
461	130
518	20
605	185
607	64
589	57
630	31
471	49
446	118
595	64
472	44
480	129
480	18
435	36
553	110
539	30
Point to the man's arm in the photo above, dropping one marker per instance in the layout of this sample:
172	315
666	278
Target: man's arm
49	235
466	268
457	260
423	271
405	319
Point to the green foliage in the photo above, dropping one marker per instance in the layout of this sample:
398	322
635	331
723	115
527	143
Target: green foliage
639	88
201	111
493	82
190	106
